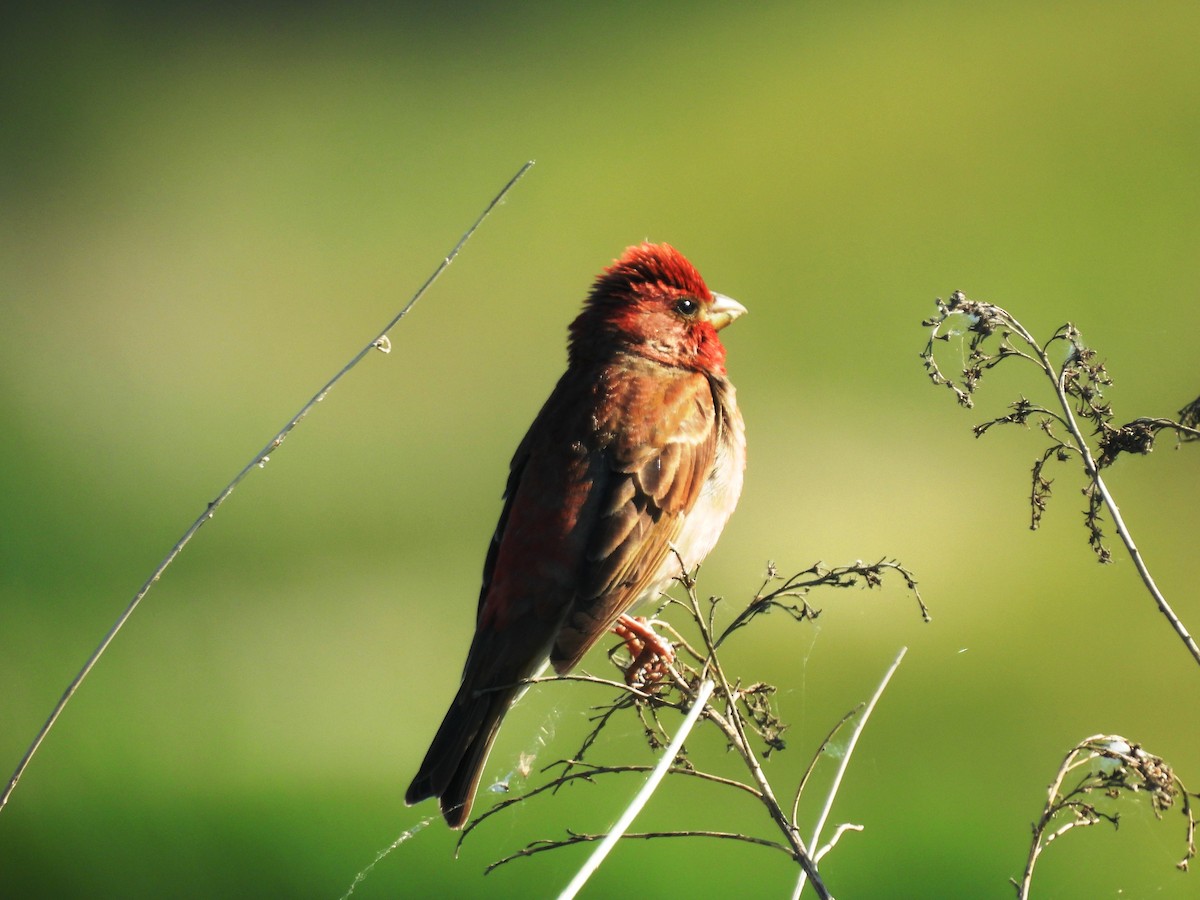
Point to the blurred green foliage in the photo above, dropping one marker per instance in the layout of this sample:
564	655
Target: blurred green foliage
205	211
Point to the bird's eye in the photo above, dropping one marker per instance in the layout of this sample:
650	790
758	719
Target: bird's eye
686	306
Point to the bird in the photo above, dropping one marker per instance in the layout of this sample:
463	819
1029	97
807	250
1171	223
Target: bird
626	477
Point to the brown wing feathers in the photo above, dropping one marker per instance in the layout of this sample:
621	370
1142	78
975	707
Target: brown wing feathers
651	487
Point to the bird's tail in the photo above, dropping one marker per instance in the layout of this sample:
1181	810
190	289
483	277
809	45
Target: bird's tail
455	760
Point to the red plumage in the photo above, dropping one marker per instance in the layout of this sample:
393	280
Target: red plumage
639	450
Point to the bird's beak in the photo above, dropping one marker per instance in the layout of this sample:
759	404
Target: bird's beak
724	310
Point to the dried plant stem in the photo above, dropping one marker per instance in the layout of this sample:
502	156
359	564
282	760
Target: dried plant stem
859	725
379	342
1131	771
643	795
574	837
1093	472
1042	839
742	713
1079	378
735	732
837	836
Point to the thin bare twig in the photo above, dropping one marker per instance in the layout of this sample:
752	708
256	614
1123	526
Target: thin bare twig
643	795
844	763
837	836
797	586
379	342
816	758
578	838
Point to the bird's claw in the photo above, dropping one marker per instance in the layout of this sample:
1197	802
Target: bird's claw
651	654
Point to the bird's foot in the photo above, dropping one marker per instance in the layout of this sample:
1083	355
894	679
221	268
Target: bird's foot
651	653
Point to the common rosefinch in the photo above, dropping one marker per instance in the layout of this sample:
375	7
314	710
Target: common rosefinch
638	452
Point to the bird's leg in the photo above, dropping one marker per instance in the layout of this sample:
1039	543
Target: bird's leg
651	653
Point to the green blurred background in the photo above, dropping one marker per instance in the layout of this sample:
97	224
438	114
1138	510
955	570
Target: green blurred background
206	211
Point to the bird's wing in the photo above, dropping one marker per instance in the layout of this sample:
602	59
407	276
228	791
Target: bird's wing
658	429
531	573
